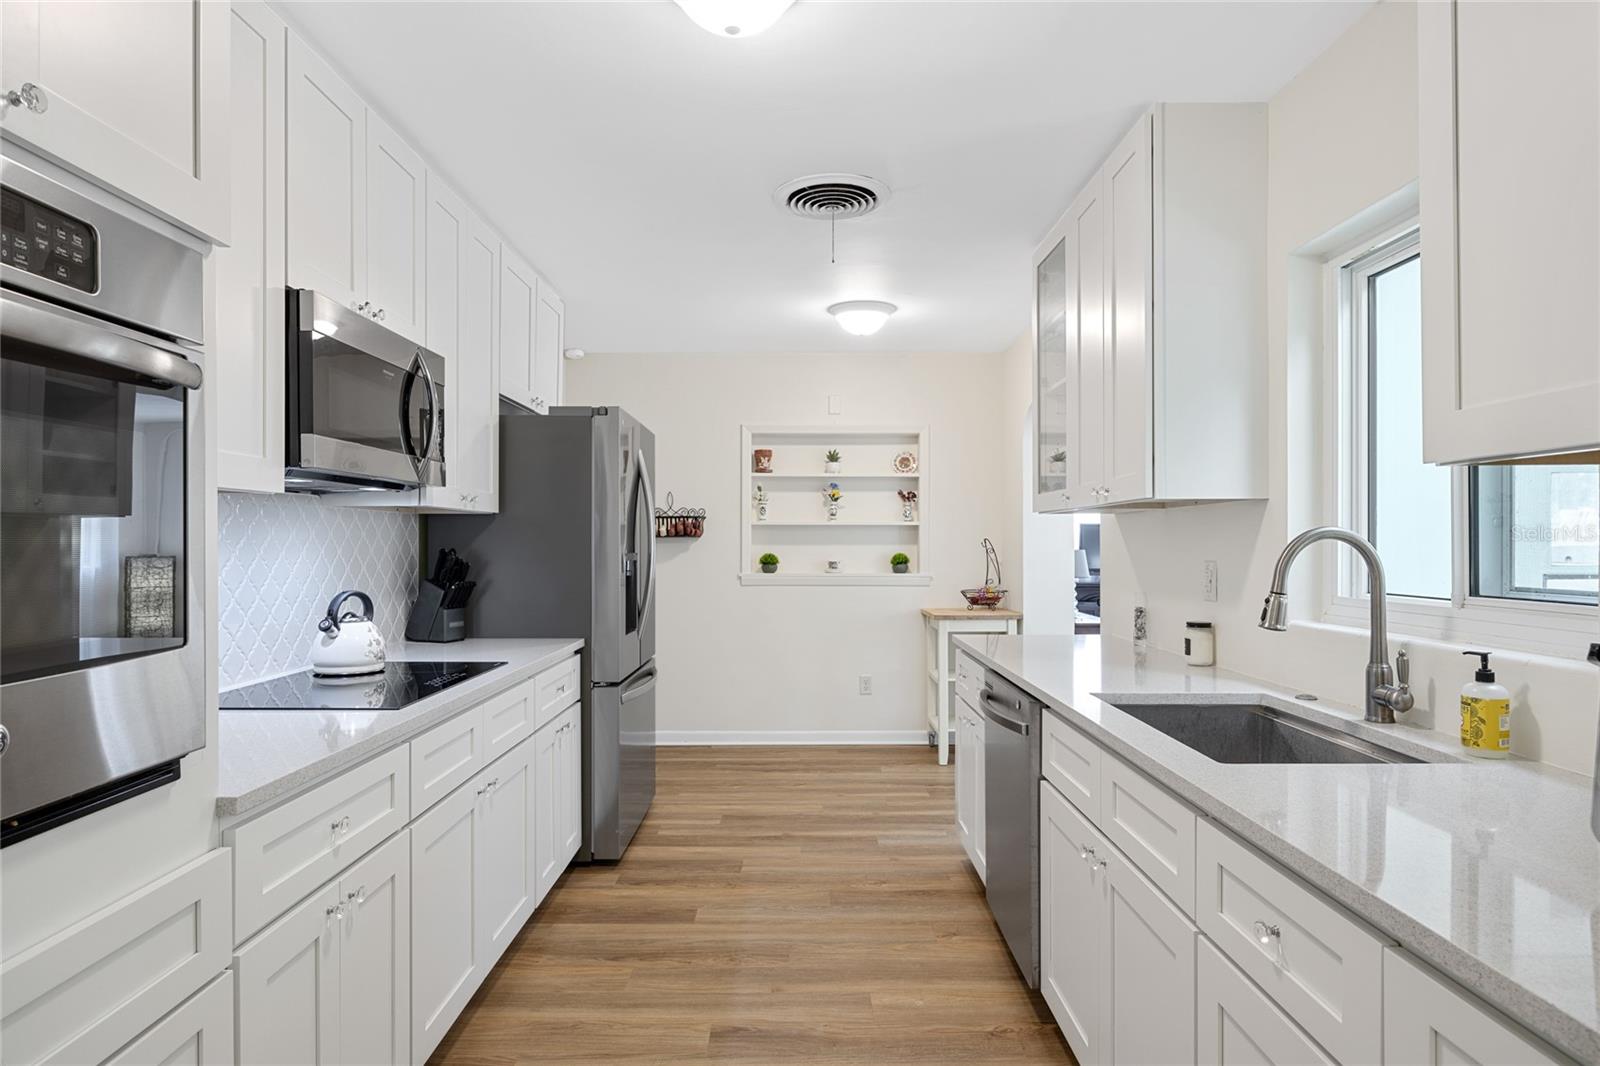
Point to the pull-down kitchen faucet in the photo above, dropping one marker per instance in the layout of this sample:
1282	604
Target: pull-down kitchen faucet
1384	697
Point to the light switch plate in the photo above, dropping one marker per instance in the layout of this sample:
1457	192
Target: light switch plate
1209	589
834	406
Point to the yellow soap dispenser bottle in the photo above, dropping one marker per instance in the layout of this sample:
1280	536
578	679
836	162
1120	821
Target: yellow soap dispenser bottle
1485	713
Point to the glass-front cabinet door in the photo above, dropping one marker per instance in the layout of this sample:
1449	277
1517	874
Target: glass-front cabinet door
1052	397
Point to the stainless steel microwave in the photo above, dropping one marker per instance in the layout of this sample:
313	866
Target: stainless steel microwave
365	405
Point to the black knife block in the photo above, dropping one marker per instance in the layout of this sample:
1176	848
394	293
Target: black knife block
431	622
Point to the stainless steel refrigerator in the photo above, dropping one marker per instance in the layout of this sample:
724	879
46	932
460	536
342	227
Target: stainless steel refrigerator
572	553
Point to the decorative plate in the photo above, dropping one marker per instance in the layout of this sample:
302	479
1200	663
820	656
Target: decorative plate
905	463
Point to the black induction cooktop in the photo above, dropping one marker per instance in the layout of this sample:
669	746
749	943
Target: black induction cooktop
400	684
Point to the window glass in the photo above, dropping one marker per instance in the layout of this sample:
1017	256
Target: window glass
1536	533
1408	501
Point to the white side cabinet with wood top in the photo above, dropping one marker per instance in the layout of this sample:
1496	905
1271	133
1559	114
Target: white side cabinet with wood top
1509	172
1149	375
131	95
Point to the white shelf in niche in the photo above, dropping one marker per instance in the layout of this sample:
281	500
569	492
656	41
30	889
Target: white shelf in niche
782	578
798	530
840	523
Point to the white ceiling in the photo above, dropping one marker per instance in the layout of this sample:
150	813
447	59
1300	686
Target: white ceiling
632	156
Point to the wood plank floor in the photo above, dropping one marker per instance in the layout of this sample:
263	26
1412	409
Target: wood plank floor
778	905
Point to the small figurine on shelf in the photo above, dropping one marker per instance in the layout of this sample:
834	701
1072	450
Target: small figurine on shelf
830	461
908	505
761	500
833	497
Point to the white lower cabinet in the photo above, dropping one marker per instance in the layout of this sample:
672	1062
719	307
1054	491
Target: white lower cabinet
970	786
1148	971
1117	958
329	982
558	828
1071	905
198	1033
473	883
1427	1022
448	958
1236	1022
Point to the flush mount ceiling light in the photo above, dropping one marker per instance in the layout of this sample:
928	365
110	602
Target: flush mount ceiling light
734	18
862	317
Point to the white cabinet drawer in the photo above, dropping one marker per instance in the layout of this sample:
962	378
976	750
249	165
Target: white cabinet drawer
282	855
198	1033
1071	762
1320	964
1427	1019
557	690
445	756
508	719
1152	826
1235	1023
969	678
85	992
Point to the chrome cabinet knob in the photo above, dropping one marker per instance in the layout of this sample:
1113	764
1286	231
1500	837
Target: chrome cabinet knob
358	897
28	95
380	314
340	826
336	912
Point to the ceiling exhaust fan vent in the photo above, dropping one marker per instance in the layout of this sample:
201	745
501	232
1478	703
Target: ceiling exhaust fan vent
832	197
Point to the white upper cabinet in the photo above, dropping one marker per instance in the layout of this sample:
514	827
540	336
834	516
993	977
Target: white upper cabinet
1129	351
1150	348
247	375
519	301
460	288
548	324
131	94
397	212
327	180
1509	168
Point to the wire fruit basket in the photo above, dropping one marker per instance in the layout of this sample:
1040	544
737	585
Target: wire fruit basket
988	596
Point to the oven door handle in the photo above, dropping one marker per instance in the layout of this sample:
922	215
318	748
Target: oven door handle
35	321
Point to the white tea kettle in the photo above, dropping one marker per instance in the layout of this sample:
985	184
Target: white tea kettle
349	643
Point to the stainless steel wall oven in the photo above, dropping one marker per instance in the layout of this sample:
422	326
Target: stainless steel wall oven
102	636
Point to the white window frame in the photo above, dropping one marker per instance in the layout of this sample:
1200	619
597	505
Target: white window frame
1553	629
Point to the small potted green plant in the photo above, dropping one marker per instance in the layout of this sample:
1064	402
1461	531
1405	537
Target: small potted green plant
769	563
830	461
1058	462
900	562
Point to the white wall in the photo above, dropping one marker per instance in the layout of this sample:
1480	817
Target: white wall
738	659
1342	146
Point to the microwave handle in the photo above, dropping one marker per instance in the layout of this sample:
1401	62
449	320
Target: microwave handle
433	410
28	319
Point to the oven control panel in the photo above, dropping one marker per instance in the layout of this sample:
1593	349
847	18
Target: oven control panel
43	241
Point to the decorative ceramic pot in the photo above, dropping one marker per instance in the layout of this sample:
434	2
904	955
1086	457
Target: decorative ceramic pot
830	468
833	512
908	512
902	568
761	461
769	568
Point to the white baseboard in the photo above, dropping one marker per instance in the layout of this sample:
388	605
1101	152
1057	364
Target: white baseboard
788	737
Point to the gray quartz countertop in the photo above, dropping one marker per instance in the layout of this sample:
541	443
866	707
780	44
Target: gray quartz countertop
1487	870
265	755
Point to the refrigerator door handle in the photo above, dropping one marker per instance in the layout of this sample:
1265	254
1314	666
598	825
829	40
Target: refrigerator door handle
650	510
640	686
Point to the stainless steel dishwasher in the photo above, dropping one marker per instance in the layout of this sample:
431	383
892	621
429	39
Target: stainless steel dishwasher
1011	816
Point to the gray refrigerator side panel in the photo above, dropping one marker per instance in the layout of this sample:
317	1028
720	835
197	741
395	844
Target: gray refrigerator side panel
534	560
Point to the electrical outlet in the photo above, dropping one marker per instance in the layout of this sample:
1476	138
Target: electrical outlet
1210	588
864	684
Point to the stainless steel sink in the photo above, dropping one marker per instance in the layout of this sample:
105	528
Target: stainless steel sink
1239	732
